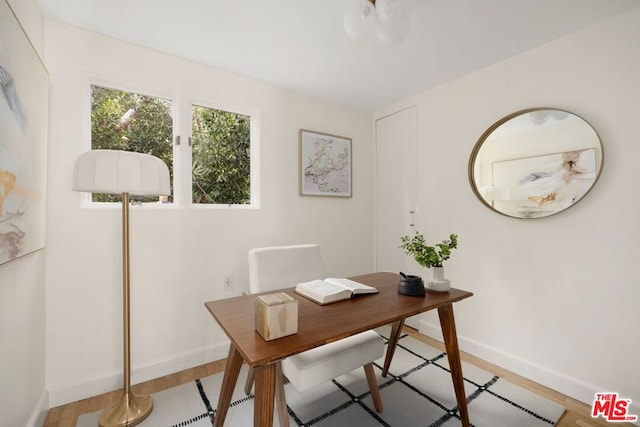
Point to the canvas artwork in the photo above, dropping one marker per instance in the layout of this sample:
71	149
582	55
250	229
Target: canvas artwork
325	164
23	134
540	186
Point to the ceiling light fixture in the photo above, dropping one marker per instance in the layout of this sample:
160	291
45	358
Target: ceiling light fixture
388	18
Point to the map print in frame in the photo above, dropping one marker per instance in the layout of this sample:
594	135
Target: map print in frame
325	164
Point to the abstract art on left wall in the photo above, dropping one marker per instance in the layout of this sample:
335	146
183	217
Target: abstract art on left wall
23	141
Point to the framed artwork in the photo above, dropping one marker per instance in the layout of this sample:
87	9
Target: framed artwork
23	141
540	186
325	164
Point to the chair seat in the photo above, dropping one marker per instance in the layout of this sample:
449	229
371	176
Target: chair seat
321	364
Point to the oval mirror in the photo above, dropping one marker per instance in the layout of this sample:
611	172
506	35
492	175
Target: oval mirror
535	163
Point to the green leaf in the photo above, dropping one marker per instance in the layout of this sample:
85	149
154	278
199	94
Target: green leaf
426	255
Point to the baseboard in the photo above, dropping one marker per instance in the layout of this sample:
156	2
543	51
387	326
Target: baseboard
560	382
72	392
39	413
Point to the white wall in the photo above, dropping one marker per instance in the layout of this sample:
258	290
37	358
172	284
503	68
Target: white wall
22	341
23	398
556	299
179	256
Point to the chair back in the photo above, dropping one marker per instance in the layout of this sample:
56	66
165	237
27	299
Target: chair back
280	267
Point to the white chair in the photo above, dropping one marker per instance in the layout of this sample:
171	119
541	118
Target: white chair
280	267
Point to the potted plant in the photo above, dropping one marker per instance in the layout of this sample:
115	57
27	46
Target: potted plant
431	256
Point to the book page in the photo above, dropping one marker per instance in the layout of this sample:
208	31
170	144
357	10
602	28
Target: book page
355	287
322	292
322	287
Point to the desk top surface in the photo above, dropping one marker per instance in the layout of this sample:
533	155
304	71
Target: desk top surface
321	324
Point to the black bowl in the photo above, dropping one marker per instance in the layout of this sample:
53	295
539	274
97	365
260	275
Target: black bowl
411	286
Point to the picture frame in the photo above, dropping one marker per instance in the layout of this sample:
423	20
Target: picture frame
23	147
325	164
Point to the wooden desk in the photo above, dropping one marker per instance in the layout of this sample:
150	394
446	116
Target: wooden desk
318	325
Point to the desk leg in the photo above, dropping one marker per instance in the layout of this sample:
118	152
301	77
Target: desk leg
453	353
281	398
265	388
396	329
231	372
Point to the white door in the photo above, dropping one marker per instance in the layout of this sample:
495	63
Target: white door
396	191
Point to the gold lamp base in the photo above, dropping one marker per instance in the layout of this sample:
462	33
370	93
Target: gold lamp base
131	410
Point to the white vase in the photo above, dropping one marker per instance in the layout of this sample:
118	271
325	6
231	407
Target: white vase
437	282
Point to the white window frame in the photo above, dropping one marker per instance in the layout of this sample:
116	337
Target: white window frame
181	110
254	153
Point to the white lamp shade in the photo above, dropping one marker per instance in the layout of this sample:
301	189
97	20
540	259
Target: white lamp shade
117	172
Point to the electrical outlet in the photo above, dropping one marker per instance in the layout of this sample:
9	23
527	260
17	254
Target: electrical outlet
228	282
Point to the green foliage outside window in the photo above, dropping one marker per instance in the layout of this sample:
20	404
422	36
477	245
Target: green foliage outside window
131	122
221	152
221	142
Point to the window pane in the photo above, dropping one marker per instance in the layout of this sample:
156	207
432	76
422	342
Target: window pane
221	166
129	121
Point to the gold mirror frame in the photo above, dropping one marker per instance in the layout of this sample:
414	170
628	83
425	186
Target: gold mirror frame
535	163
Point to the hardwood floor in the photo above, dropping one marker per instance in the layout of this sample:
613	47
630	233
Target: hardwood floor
577	414
67	415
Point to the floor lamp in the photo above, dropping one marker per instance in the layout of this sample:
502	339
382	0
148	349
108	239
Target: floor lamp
123	172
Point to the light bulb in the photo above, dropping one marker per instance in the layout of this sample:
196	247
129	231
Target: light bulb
392	12
539	117
359	19
392	33
559	115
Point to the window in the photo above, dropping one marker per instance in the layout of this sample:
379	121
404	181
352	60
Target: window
131	122
220	144
221	165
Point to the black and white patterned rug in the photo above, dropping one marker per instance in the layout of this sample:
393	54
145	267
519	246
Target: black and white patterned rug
417	392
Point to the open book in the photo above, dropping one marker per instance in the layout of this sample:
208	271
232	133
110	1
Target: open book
332	289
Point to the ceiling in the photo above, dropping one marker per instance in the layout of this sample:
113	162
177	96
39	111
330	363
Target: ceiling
300	44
